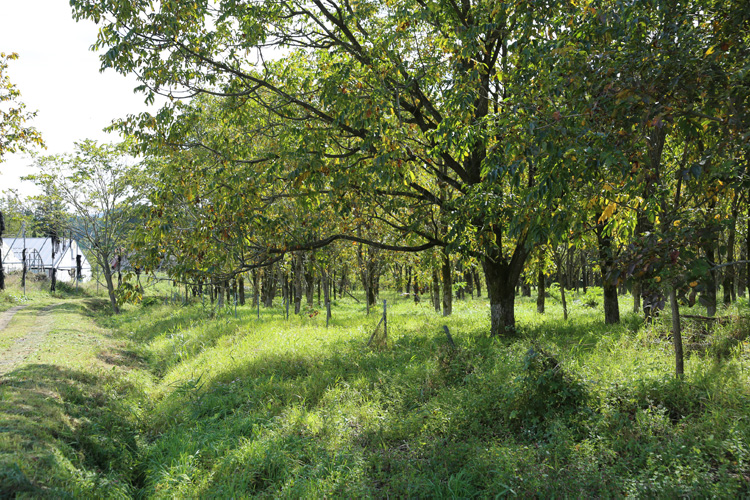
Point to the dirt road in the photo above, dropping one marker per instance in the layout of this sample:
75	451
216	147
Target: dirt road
24	346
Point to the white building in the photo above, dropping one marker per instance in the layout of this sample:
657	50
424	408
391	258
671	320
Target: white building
39	257
10	261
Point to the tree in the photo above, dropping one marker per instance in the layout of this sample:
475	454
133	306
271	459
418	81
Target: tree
394	102
14	136
99	184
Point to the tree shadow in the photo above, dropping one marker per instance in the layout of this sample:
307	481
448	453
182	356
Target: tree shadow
58	425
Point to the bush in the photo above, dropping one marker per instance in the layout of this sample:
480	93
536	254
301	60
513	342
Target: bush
544	391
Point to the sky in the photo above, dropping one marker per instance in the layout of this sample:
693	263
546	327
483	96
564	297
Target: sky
58	76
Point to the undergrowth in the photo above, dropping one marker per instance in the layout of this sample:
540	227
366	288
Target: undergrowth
276	408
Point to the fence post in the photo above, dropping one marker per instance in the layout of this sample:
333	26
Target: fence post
385	320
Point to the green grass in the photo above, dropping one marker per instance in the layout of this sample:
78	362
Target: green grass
166	401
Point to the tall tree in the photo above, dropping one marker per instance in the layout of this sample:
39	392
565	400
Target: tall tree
389	101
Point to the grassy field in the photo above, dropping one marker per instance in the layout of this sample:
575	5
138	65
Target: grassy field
168	401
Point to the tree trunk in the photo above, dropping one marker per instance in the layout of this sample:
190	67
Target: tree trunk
731	239
609	286
708	296
343	280
110	285
326	283
241	286
435	288
309	279
502	276
477	282
525	288
540	292
447	285
298	274
636	291
584	272
676	333
560	278
460	274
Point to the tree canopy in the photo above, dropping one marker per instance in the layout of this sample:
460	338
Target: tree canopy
447	124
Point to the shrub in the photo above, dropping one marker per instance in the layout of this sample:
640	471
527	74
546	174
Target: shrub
544	391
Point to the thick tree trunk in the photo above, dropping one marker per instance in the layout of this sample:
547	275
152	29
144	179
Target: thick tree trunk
241	286
502	276
609	286
540	292
447	285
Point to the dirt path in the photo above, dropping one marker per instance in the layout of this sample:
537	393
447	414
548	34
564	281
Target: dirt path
8	315
24	346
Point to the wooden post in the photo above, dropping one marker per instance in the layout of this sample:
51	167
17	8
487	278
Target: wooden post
385	320
2	269
23	270
676	333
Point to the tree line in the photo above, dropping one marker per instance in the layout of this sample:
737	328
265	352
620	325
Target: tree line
507	137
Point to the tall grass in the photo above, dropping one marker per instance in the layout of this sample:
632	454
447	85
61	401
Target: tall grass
225	406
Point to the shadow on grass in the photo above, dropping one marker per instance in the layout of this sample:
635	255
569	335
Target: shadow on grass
64	433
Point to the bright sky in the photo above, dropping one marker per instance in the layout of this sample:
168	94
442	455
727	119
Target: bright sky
59	77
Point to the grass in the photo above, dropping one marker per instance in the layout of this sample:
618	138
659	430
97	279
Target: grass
166	401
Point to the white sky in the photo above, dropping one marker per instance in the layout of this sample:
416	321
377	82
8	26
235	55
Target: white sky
59	77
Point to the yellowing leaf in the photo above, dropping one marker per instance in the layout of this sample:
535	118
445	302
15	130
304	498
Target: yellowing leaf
608	211
711	50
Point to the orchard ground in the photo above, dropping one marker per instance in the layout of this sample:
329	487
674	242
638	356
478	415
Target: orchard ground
169	400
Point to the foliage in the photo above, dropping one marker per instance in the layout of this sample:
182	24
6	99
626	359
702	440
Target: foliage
14	136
